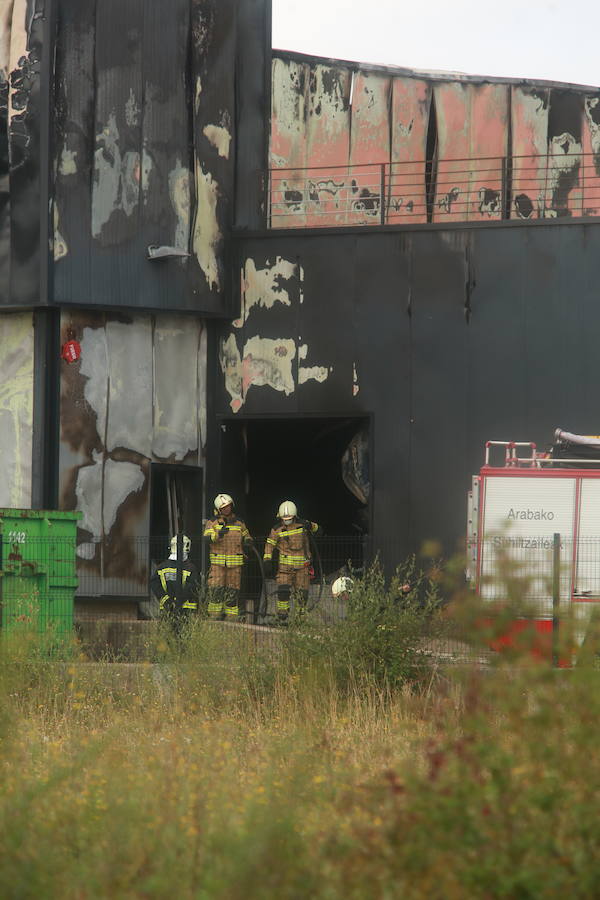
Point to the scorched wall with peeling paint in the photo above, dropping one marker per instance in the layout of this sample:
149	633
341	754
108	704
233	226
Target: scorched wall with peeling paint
137	395
269	351
24	53
446	338
125	125
16	408
146	148
119	126
340	122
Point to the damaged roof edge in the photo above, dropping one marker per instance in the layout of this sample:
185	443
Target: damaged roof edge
430	75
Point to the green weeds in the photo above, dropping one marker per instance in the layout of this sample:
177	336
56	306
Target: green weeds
331	763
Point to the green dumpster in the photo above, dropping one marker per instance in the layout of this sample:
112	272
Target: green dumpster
37	568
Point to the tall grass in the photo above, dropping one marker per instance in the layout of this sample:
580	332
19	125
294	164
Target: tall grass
307	769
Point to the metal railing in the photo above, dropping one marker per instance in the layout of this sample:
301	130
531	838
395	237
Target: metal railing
441	190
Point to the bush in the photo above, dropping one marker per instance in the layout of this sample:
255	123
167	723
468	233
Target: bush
380	639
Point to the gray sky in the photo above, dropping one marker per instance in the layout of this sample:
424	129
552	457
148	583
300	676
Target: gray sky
553	39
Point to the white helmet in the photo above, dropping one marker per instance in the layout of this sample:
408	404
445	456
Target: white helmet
222	500
186	544
287	510
342	585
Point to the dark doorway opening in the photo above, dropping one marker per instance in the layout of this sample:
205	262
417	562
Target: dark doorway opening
307	460
175	505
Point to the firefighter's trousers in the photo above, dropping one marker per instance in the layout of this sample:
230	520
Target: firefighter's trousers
224	591
291	582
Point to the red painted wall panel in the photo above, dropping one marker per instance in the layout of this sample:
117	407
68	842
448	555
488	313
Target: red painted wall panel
363	134
288	142
472	126
369	146
328	145
411	103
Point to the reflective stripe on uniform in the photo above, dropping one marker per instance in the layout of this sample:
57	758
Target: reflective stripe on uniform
290	532
295	561
169	570
227	559
214	532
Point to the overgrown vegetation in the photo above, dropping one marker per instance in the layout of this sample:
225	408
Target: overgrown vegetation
334	762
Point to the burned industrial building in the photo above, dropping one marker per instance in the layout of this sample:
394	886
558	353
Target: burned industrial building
282	276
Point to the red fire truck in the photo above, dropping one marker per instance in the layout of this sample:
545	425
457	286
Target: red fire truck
516	506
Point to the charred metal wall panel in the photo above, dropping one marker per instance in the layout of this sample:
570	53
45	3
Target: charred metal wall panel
318	376
529	111
137	395
327	141
497	346
447	338
591	148
213	34
253	88
25	98
382	275
411	104
75	142
553	127
565	137
472	124
327	119
288	114
438	349
16	408
260	349
5	30
288	138
369	145
328	122
141	102
156	87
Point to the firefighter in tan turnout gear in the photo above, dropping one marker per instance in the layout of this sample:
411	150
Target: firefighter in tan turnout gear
227	537
291	539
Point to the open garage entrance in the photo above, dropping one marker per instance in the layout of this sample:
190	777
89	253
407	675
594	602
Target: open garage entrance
322	464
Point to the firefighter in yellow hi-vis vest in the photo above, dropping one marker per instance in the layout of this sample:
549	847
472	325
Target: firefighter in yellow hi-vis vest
227	537
291	540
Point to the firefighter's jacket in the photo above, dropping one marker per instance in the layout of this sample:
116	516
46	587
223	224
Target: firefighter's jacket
164	586
226	547
292	542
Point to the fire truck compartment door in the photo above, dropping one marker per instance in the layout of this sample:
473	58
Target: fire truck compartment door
587	578
521	515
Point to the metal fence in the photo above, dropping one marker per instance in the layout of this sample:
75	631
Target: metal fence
448	190
53	574
538	590
124	570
